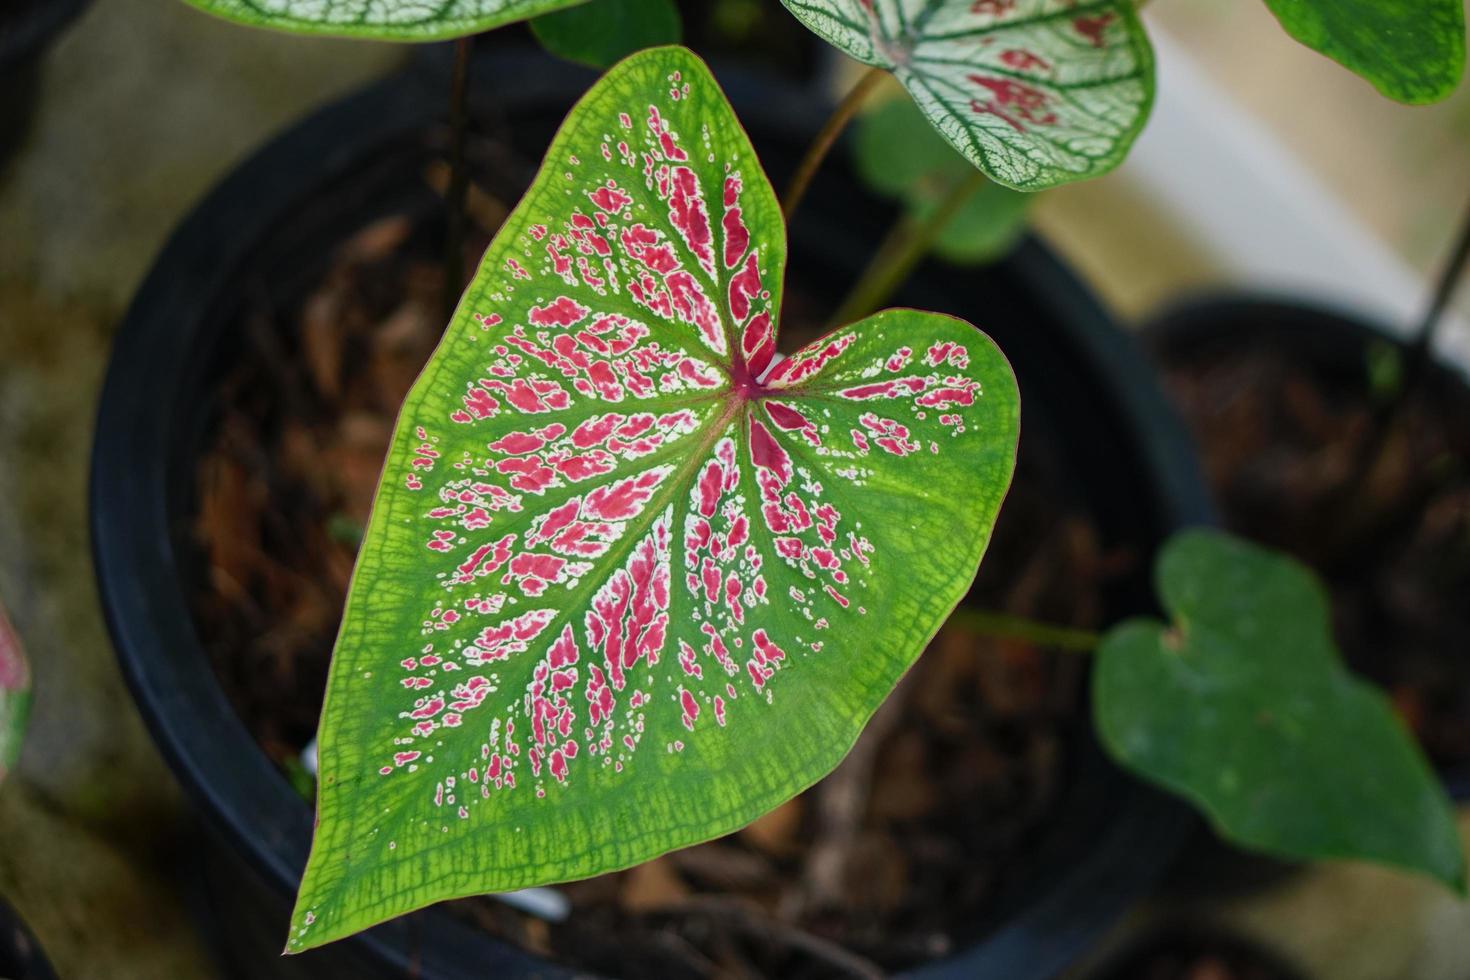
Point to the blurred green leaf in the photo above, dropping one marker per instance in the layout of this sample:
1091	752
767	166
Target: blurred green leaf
736	19
1410	50
1385	367
342	529
1243	707
604	32
301	779
899	154
985	228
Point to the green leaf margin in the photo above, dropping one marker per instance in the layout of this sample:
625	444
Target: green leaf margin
432	26
1412	51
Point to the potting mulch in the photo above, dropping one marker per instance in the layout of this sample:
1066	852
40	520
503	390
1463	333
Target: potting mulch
894	859
1315	463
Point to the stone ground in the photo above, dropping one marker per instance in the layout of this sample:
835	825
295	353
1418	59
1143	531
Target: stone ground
144	104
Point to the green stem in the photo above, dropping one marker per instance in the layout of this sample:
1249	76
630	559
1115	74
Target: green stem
984	622
1421	354
458	179
1417	361
831	129
1363	528
908	242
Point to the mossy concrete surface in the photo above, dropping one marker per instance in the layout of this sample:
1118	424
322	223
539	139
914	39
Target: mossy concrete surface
143	105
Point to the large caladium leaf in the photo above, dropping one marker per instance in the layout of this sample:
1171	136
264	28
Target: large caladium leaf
1410	50
1243	706
15	694
383	20
1033	92
629	582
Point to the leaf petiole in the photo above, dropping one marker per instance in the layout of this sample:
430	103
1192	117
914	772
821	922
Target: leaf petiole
986	622
822	142
458	178
907	243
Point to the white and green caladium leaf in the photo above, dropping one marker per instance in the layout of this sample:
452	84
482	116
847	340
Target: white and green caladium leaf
381	20
1243	706
629	582
1035	93
1410	50
15	694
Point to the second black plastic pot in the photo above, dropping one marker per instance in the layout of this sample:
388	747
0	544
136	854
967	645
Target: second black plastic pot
276	220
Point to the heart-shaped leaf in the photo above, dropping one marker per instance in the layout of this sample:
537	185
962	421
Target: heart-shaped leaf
1243	707
899	154
605	31
15	694
1033	92
629	582
382	20
1410	50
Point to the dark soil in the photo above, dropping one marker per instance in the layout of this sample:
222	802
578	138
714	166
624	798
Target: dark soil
892	860
1302	457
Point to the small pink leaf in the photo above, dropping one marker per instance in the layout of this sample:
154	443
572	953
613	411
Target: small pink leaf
15	693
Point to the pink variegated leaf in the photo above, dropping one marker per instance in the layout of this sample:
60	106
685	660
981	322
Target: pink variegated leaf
630	582
1035	93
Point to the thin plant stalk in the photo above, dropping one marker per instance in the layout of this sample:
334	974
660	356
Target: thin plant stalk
983	622
1365	529
822	143
1421	353
1417	360
458	178
908	242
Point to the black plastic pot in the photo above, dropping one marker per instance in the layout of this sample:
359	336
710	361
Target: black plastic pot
275	220
21	957
1335	343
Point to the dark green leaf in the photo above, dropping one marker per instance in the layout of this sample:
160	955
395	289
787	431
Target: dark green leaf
1243	706
985	227
1410	50
603	32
